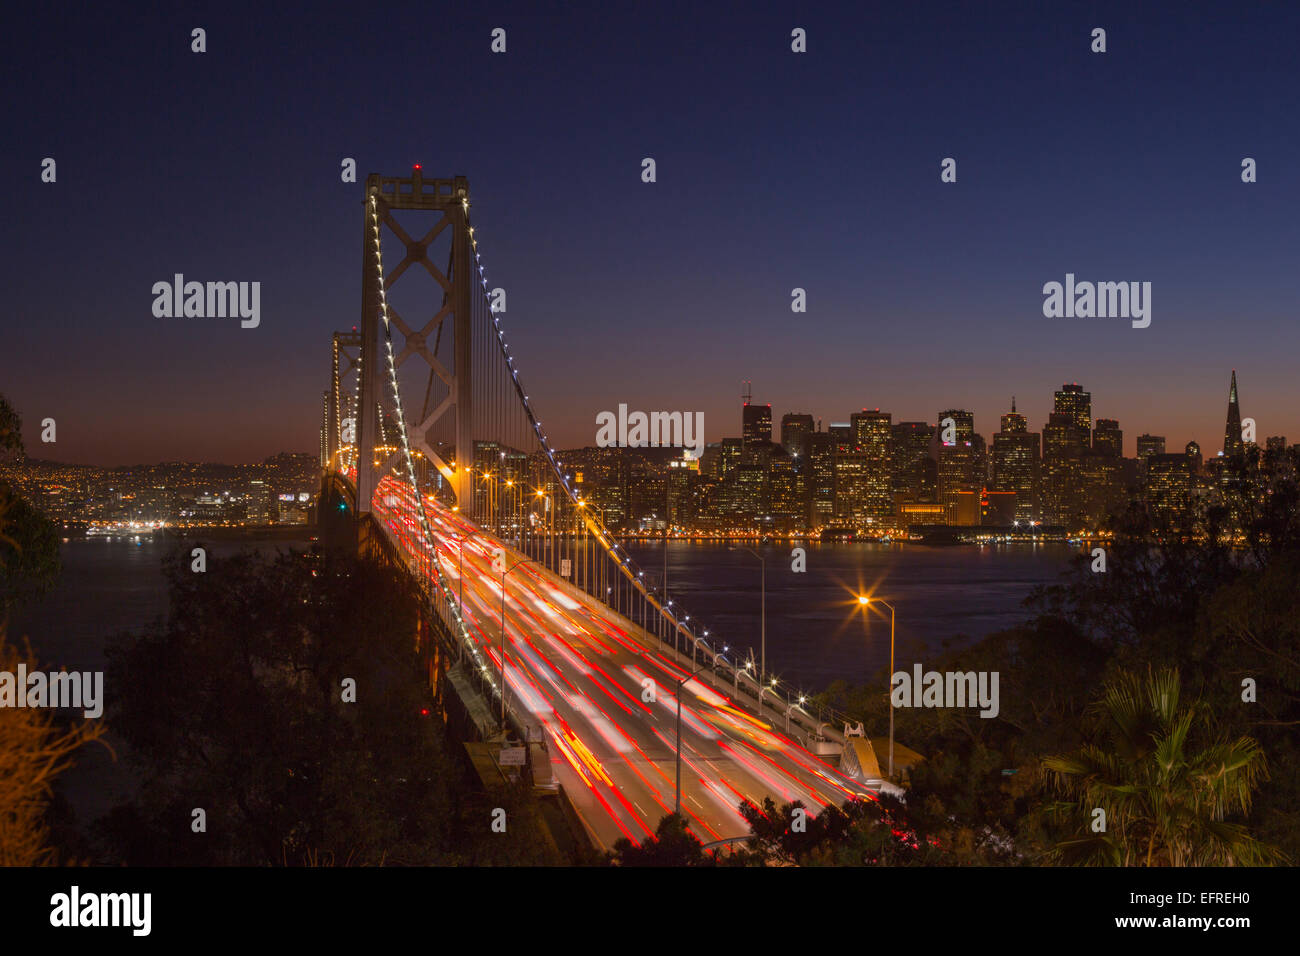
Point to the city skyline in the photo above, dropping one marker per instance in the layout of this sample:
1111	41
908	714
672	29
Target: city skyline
714	434
791	475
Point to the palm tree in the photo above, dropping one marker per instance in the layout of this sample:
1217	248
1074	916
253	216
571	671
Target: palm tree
1165	779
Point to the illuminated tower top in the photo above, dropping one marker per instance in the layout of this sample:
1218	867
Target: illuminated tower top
1075	403
1014	422
1232	429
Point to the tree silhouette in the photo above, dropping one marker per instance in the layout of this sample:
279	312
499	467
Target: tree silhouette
234	705
35	746
1165	778
672	845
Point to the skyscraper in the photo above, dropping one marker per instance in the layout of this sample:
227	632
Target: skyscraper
259	502
841	437
756	425
914	469
711	460
1073	401
683	479
1064	443
795	429
851	486
1169	488
821	479
1107	439
732	449
1013	423
1232	444
872	431
1148	445
748	484
960	467
962	428
787	498
1016	463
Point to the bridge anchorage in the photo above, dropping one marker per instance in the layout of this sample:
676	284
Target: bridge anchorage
542	616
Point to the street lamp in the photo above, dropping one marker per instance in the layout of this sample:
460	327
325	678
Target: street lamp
503	640
546	510
680	682
586	558
789	708
666	516
511	484
736	671
761	688
762	665
865	601
460	572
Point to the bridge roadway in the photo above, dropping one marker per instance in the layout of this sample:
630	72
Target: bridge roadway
577	669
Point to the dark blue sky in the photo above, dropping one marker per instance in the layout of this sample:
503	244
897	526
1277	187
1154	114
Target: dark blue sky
775	170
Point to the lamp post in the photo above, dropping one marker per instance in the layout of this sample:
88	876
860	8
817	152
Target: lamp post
735	672
460	572
865	601
510	484
587	577
678	803
762	664
460	579
503	640
789	708
598	578
541	497
761	688
665	556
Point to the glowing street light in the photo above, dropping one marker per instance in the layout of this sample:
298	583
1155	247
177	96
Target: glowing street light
762	666
505	572
864	601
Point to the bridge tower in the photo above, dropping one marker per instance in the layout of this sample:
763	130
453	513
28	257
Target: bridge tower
339	413
445	203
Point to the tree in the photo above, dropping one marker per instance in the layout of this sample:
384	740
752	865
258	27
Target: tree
236	705
35	747
790	834
1165	779
874	831
29	552
11	428
672	845
1251	633
29	543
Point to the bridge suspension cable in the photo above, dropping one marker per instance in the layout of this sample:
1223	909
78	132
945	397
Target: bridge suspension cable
432	568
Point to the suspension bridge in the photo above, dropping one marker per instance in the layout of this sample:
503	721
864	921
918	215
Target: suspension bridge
561	649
